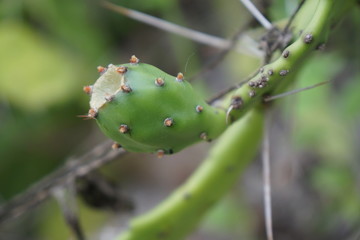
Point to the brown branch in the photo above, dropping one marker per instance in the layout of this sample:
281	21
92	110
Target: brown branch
40	191
188	33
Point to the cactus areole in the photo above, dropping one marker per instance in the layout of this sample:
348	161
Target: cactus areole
147	110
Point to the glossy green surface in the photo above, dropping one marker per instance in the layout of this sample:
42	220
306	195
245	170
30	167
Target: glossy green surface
146	107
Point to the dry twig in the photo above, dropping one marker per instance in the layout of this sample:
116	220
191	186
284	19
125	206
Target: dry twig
186	32
75	167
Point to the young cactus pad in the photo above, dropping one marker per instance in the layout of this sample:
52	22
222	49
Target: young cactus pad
147	110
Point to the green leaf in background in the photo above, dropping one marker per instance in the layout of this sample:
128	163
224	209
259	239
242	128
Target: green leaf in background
350	99
230	217
317	122
34	73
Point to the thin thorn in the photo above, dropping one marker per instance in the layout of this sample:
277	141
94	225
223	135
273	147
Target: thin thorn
228	114
92	114
266	179
257	14
268	99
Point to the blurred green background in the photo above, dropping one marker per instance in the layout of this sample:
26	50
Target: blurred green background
50	49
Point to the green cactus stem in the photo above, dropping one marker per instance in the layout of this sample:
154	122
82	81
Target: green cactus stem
313	24
146	110
179	214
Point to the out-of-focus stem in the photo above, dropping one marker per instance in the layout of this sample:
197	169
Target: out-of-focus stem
179	214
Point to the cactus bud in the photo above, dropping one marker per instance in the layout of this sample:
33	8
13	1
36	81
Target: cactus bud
137	117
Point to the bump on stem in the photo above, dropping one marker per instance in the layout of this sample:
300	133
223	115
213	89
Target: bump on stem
204	136
88	89
92	114
283	72
115	146
134	60
125	88
124	128
308	38
121	69
180	77
168	122
159	82
199	108
160	153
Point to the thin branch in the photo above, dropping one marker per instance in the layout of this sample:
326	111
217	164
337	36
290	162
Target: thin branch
66	198
271	98
257	14
269	52
211	64
288	24
231	88
266	177
40	191
182	31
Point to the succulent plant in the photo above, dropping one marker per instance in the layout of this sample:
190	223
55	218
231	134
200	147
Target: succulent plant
145	109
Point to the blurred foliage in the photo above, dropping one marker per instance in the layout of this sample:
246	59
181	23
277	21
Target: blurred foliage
50	49
53	221
39	84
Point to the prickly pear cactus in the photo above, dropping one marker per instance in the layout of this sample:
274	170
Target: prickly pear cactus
147	110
